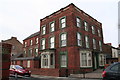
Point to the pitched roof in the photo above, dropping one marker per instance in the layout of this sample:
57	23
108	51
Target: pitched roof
33	35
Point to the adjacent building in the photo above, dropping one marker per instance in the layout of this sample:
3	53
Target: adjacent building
111	53
17	48
30	48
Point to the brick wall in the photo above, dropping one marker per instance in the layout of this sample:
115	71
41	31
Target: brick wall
45	72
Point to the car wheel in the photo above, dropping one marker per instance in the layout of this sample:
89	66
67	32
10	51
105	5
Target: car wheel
16	75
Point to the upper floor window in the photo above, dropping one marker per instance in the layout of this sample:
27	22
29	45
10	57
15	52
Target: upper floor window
36	52
99	34
63	22
87	41
36	40
25	53
43	30
31	42
100	45
63	40
78	22
93	30
52	42
94	44
13	47
52	26
86	25
79	39
42	44
25	44
30	52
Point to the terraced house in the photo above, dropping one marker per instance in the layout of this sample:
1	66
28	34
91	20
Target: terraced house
70	41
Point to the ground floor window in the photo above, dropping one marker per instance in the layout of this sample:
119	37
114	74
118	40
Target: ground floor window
28	64
85	59
63	59
47	60
102	59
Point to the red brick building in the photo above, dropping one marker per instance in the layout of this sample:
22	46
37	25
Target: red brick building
17	48
30	59
70	41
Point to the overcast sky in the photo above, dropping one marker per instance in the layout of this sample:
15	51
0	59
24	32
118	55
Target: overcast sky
21	18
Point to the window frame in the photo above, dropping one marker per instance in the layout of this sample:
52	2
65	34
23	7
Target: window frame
80	23
99	33
101	60
100	45
48	59
43	32
52	42
79	40
64	17
66	54
93	29
87	45
94	43
87	59
43	45
86	27
51	26
62	40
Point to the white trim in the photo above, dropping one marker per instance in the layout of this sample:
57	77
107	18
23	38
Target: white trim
47	54
101	57
88	58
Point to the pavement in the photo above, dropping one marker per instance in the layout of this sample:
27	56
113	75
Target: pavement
96	75
92	75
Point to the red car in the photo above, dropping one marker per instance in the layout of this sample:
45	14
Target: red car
16	70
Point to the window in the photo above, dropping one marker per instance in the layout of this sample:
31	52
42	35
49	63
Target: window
52	26
63	59
93	30
99	34
85	59
94	44
42	44
63	39
86	26
36	52
79	39
63	22
101	59
24	53
47	60
31	42
78	22
25	44
115	67
87	41
43	30
13	47
100	45
30	52
36	40
52	42
28	64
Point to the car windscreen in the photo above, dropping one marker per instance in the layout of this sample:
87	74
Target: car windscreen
19	67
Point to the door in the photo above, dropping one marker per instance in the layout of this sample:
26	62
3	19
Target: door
95	63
